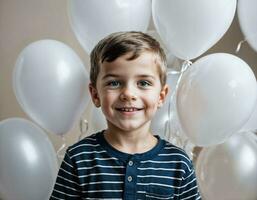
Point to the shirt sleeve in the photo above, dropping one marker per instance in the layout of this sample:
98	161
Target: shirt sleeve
67	183
189	188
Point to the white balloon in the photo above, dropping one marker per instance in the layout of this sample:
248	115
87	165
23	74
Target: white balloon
251	124
189	28
51	85
215	97
28	162
247	16
228	171
92	20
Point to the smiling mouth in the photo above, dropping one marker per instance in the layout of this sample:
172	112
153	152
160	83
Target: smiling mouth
128	109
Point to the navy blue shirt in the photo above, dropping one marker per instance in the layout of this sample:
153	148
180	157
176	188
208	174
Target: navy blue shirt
93	169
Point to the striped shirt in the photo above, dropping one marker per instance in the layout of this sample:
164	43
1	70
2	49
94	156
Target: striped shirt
93	169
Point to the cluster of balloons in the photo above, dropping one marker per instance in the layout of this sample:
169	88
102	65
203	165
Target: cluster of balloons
50	83
214	83
216	96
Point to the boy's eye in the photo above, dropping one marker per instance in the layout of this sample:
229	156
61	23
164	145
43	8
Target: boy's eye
113	84
144	83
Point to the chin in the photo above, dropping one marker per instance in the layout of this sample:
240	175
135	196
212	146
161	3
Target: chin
126	127
133	127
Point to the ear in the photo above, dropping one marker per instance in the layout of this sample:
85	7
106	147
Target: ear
94	95
163	94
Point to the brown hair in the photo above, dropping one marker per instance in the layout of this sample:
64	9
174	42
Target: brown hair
121	43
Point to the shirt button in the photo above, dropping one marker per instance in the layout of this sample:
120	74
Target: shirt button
130	163
129	178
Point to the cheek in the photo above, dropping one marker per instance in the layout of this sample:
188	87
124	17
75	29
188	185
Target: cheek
152	101
107	100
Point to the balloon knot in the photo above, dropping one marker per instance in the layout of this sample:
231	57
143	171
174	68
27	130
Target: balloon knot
239	46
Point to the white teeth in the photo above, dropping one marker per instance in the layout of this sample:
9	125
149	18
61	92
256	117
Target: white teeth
128	109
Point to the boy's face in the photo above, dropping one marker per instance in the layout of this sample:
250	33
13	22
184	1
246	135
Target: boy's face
129	91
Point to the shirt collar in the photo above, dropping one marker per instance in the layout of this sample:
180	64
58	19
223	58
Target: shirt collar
125	157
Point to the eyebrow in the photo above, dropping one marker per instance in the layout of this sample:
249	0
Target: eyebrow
110	75
140	76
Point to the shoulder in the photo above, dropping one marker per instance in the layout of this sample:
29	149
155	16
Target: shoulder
177	155
174	150
87	144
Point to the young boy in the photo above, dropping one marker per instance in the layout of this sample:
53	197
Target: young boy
126	161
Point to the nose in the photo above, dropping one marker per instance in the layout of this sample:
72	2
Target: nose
128	94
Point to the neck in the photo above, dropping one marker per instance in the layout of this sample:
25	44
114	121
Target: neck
136	141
